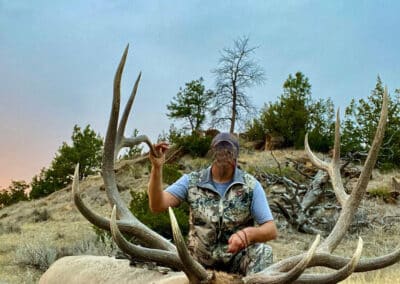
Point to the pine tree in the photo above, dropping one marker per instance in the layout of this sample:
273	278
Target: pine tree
191	104
361	119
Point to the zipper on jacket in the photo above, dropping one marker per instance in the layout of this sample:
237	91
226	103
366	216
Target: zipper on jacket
221	210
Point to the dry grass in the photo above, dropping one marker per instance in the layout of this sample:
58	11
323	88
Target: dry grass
33	232
62	228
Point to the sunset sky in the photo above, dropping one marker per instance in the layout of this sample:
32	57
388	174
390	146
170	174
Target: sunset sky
58	58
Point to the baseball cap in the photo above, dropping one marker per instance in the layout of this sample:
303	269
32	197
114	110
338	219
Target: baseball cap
226	137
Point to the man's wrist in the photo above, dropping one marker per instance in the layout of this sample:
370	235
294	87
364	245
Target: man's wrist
241	239
248	235
156	167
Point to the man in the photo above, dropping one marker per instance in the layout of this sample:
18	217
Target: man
224	204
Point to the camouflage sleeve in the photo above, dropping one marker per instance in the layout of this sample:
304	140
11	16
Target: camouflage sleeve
179	188
259	206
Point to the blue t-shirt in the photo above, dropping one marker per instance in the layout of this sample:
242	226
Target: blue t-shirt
259	206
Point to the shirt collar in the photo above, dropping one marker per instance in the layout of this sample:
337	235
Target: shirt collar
238	176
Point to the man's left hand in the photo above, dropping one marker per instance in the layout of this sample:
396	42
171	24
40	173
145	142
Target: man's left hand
236	243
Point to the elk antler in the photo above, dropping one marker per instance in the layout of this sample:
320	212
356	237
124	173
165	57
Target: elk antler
128	223
332	168
158	249
349	203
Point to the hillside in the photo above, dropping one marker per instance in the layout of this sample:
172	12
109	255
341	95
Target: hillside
52	225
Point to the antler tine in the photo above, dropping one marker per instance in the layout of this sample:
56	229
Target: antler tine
378	262
163	257
350	208
129	142
314	159
287	277
93	218
333	168
109	143
337	262
122	141
334	173
124	118
335	276
373	152
108	164
195	272
344	270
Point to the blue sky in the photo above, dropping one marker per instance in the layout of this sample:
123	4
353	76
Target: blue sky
58	58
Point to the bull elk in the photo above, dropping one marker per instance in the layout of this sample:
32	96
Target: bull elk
153	247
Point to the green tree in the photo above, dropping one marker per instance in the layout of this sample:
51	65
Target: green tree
4	198
17	191
294	114
14	193
236	72
191	104
43	184
86	149
321	125
294	106
361	120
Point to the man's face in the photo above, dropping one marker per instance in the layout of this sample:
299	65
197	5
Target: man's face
224	154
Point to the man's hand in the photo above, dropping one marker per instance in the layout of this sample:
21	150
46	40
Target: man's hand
160	149
236	242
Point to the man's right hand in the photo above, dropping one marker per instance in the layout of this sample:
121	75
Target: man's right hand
160	149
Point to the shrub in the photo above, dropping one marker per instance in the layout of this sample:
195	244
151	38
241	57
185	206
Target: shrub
104	239
10	228
286	171
381	192
136	171
194	144
92	246
158	222
40	215
38	255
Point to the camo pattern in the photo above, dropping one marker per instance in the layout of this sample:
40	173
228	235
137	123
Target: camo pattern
213	219
251	260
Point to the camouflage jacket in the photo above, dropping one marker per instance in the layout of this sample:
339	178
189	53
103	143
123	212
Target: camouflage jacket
213	219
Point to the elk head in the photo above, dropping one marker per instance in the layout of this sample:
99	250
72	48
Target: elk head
153	247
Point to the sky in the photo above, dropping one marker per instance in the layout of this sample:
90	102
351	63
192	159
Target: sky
58	59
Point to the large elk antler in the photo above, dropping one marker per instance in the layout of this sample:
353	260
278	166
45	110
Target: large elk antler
154	247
